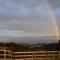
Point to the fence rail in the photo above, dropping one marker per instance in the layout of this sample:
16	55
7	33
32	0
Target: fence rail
7	54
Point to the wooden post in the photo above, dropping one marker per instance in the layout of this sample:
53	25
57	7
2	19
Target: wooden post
24	56
4	53
32	56
11	55
59	54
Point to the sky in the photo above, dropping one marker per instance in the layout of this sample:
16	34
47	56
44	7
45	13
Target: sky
29	21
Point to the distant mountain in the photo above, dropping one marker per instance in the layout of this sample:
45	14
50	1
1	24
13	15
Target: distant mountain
31	39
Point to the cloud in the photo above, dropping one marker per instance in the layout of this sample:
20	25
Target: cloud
25	37
29	10
54	4
55	7
26	18
12	33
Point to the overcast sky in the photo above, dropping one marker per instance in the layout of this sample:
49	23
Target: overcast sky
29	20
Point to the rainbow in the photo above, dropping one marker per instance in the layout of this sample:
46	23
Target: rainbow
54	20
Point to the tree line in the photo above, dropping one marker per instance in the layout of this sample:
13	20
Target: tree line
32	47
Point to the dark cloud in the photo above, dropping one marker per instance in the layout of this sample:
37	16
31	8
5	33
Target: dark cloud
54	4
